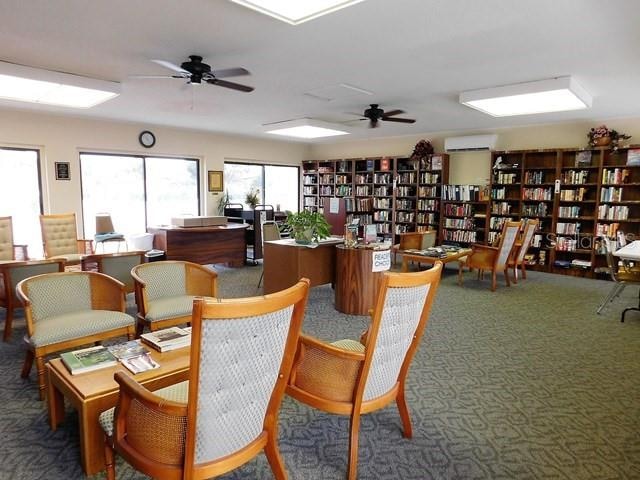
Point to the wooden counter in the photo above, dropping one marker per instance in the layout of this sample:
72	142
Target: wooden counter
356	283
286	262
203	245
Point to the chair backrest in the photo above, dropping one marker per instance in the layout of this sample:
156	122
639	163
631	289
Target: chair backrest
14	272
410	240
400	316
173	278
270	231
527	236
116	265
104	224
59	234
241	354
507	241
6	239
428	239
53	294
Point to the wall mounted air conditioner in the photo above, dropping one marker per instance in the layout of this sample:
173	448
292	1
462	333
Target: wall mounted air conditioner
470	143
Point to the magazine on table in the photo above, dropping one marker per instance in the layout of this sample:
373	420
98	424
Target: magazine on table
134	356
140	363
88	359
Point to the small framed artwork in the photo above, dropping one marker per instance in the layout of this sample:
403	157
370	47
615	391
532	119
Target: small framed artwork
63	171
216	182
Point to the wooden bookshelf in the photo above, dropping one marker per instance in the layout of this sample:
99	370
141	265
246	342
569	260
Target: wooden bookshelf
465	216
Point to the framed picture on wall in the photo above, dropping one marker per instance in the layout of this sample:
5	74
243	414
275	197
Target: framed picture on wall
63	171
216	181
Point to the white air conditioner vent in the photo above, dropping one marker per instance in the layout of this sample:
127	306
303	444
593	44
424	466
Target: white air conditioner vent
470	143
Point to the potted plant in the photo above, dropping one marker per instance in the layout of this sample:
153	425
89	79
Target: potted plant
603	136
222	202
307	227
252	198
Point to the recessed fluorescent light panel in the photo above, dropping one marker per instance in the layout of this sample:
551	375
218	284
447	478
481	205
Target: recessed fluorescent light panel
553	95
295	12
34	85
304	128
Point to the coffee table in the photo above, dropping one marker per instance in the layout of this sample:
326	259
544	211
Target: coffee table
416	257
94	392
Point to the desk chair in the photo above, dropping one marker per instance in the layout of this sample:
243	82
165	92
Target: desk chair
621	275
12	273
227	412
270	231
105	232
60	238
353	378
8	251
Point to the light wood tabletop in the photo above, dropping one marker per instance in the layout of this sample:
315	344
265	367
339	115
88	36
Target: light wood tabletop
418	258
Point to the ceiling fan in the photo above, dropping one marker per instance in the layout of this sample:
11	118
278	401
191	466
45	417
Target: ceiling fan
375	114
197	72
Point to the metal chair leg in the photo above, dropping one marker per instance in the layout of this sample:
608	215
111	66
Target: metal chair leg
615	291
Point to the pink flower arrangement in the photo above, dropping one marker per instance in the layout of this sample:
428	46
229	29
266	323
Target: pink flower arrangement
603	131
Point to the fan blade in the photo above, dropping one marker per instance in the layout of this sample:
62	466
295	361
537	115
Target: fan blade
230	72
399	120
392	113
356	114
231	85
173	67
155	76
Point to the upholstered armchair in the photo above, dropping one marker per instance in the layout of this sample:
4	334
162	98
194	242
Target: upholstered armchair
68	310
60	238
353	378
414	240
116	265
11	273
10	252
522	246
495	259
227	412
165	292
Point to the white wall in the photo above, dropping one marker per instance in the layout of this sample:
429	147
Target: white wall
61	138
473	167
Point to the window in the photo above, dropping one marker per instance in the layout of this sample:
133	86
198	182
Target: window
137	191
20	196
278	185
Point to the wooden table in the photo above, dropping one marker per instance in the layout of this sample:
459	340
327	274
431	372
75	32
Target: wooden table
285	262
94	392
356	284
630	252
203	245
414	257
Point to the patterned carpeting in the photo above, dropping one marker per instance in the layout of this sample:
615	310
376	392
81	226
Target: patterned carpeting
524	383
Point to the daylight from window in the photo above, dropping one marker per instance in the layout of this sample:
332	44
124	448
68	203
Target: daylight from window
20	197
277	185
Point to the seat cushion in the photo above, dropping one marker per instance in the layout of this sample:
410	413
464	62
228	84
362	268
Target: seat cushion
74	325
170	307
105	237
350	345
175	393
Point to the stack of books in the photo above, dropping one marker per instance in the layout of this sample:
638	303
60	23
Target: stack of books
88	359
168	339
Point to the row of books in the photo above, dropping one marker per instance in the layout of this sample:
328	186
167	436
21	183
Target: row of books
537	194
568	228
133	354
458	210
573	194
463	236
462	223
539	210
607	229
427	191
534	177
501	177
501	208
465	193
617	175
611	194
569	212
575	176
613	212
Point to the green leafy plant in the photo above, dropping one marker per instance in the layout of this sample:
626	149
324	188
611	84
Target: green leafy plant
252	198
307	227
222	201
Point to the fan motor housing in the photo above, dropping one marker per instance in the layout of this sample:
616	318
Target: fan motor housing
196	68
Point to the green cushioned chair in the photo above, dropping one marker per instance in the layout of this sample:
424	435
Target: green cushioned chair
165	292
116	265
68	310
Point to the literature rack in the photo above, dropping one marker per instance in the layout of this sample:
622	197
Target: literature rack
433	172
464	215
406	195
310	185
505	185
383	194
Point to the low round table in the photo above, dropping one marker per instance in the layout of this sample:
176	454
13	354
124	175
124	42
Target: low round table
356	282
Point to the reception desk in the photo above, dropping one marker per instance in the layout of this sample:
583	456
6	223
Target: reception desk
203	245
286	262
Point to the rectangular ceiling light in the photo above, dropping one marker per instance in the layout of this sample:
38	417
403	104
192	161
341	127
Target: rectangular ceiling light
296	12
34	85
553	95
304	128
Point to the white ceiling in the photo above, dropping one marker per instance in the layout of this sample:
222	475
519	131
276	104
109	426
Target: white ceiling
416	55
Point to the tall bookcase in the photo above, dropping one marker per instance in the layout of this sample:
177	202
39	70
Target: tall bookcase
577	195
464	214
397	194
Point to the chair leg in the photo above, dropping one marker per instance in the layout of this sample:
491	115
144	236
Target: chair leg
460	267
28	363
261	277
407	429
8	324
354	428
109	459
42	384
613	293
515	273
494	281
524	271
506	277
273	455
139	328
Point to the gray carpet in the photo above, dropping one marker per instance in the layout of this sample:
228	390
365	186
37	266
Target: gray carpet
524	383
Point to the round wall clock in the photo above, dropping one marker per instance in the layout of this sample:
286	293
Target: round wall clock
147	139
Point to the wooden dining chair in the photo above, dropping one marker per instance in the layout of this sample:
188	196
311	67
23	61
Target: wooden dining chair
522	246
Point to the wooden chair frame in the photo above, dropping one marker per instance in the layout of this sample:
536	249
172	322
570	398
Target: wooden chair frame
106	294
84	246
521	248
19	251
11	300
201	282
210	310
96	261
341	392
486	257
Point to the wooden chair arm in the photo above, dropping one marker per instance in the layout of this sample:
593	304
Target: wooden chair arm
314	343
133	390
479	247
107	293
85	246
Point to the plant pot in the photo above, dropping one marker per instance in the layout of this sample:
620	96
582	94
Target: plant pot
602	141
305	237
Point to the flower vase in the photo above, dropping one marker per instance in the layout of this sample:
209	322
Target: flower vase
602	141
